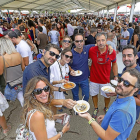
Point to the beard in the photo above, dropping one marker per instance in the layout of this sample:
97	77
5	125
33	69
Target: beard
128	64
123	94
46	60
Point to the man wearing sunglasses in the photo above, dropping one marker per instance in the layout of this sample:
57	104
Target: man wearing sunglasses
120	119
42	67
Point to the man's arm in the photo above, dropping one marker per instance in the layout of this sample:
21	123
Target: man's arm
115	70
26	61
125	38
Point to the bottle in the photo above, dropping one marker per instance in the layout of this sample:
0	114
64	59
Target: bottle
67	77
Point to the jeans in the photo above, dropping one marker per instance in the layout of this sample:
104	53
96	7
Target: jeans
85	90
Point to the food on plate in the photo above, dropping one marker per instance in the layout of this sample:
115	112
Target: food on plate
68	85
108	90
78	71
81	107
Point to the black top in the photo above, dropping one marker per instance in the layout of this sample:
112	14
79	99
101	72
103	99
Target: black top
90	40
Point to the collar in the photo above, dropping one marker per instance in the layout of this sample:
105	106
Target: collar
137	67
104	52
42	65
122	100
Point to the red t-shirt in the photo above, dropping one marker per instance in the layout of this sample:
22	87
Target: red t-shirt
101	65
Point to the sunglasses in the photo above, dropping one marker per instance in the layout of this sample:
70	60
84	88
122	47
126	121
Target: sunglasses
53	54
67	56
39	90
125	82
66	41
77	41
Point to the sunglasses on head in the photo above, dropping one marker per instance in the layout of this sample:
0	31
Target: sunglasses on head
125	82
53	54
66	41
39	90
67	56
77	41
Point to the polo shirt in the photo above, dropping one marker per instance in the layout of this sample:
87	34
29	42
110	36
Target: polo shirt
101	65
80	62
35	69
121	117
90	40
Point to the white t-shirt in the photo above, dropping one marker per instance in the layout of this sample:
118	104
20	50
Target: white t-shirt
56	76
44	30
124	34
24	50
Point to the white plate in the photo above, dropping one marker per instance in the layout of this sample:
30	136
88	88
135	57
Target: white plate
108	88
114	82
78	74
82	102
68	88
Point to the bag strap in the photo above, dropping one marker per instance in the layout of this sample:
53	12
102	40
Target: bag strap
31	111
60	69
4	69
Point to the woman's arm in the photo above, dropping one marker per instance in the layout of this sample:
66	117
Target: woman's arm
135	39
22	64
37	125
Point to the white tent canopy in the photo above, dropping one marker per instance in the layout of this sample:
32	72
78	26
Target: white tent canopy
61	5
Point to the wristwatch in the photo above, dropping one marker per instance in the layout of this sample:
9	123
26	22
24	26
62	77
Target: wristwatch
59	89
61	134
115	76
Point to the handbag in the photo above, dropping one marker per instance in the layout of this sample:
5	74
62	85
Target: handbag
22	132
35	50
18	79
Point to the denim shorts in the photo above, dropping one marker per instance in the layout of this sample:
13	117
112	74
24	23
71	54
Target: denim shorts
11	93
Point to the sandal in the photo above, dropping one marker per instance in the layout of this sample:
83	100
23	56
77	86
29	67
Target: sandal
137	121
6	131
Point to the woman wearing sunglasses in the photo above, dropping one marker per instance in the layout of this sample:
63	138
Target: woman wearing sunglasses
66	42
59	74
38	95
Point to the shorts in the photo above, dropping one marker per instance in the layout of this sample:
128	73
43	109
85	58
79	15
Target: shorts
95	88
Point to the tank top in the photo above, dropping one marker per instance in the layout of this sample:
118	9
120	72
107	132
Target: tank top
50	128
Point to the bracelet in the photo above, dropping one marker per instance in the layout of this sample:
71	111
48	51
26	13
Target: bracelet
61	134
59	89
91	120
115	75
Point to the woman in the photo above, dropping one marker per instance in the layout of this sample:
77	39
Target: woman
61	32
59	74
38	95
136	38
66	42
3	106
11	66
117	32
31	29
106	30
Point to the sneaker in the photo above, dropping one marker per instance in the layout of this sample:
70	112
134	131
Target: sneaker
58	121
60	110
6	131
95	112
105	110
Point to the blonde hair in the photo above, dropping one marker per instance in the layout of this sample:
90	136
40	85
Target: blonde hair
6	46
30	102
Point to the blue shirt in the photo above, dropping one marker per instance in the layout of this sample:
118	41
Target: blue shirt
80	62
121	117
35	69
131	31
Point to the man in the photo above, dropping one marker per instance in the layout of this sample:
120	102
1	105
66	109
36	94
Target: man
120	119
124	37
100	70
70	29
42	67
131	31
40	23
109	40
99	30
41	39
91	38
21	46
54	36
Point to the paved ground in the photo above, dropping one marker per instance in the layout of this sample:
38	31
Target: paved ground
80	130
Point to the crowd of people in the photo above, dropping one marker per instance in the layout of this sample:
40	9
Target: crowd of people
39	55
